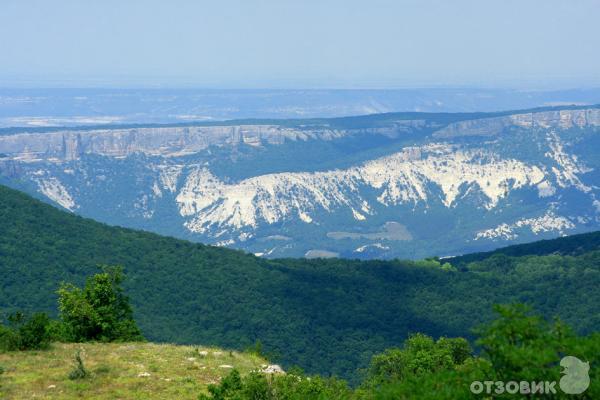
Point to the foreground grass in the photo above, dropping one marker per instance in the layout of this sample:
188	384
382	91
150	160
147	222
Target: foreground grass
119	371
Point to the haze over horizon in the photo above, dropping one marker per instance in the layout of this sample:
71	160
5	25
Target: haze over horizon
284	44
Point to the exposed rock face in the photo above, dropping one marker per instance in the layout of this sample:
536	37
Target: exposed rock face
397	179
10	168
546	223
169	141
563	119
55	191
516	175
272	369
179	141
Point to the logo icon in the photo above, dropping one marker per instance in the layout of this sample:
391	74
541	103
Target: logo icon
576	378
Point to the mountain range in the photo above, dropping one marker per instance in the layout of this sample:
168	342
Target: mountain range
390	185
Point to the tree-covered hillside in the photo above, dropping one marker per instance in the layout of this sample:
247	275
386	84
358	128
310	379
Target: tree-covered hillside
570	245
327	316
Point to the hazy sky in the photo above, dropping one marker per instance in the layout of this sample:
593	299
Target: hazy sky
303	43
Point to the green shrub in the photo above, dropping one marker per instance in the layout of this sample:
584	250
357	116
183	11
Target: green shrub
420	355
257	386
25	333
79	371
58	331
98	312
517	346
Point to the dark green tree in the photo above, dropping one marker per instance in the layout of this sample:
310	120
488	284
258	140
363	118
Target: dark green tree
419	355
517	346
522	346
25	333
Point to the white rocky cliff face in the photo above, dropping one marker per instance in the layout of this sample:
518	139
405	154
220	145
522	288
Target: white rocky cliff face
66	145
401	178
564	119
464	162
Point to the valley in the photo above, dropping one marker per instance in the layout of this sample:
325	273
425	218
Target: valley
327	316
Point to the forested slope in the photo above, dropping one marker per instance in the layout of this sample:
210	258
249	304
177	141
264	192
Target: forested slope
569	245
328	316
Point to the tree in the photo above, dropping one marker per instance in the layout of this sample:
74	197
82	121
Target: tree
523	346
419	355
100	311
516	346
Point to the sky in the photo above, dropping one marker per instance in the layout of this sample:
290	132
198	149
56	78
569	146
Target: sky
300	44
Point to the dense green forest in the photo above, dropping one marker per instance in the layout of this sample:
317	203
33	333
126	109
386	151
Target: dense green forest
327	316
518	351
569	245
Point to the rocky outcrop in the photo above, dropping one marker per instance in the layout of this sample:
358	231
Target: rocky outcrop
271	369
173	141
563	119
544	223
401	178
170	141
10	168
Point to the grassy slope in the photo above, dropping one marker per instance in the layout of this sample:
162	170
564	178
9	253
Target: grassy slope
118	371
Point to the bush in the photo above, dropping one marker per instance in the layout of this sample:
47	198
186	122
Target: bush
420	355
24	333
277	387
79	371
58	331
98	312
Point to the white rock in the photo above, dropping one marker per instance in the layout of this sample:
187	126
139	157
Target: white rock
545	223
272	369
55	191
401	178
